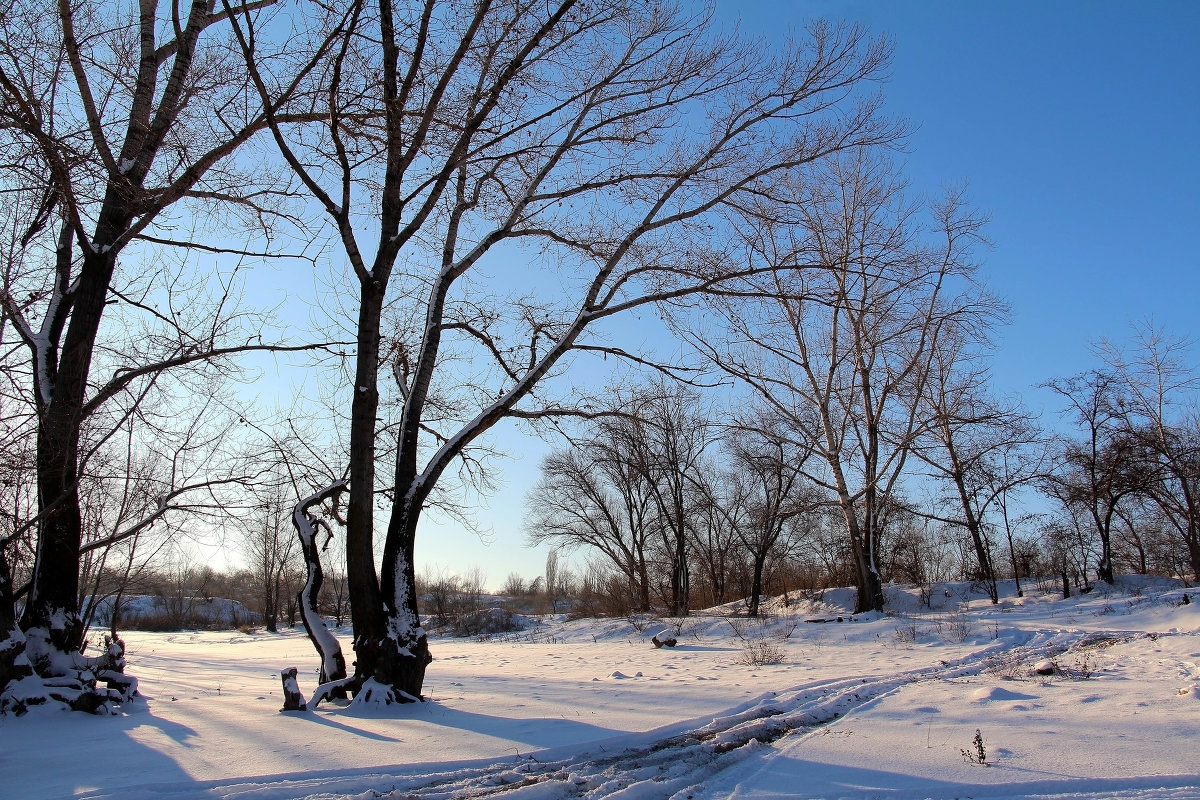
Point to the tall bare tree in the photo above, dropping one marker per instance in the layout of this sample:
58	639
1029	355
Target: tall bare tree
592	495
983	447
600	146
113	119
840	346
772	467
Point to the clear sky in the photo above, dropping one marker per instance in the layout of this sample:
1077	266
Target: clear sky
1075	125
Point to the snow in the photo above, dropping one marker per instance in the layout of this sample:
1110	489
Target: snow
876	706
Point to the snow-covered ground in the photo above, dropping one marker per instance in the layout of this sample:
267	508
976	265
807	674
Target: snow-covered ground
874	707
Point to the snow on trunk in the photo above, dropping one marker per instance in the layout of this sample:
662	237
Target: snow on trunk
333	663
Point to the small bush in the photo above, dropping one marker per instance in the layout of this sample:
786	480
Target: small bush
906	633
761	653
1006	666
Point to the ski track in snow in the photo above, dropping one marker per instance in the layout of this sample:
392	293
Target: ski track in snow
690	765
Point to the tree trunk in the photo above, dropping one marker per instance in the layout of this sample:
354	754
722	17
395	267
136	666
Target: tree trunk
333	663
870	585
53	601
366	602
643	587
680	583
1104	569
399	658
756	584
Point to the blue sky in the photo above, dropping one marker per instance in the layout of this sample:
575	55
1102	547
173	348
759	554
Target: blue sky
1076	127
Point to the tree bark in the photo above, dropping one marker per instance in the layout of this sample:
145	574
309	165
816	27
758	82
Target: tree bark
366	602
333	663
53	595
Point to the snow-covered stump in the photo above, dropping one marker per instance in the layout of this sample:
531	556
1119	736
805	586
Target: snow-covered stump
50	677
664	638
333	681
292	699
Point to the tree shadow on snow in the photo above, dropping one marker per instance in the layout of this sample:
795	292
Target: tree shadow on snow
699	648
116	749
542	732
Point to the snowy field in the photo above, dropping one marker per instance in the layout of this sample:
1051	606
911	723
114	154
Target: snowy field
871	707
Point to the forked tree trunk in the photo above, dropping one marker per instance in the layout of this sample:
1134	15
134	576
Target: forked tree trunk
870	584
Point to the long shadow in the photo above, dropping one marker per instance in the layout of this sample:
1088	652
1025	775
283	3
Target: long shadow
33	751
533	731
701	648
329	717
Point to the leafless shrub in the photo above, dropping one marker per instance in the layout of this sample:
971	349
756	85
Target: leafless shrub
907	632
761	653
1006	666
788	627
957	628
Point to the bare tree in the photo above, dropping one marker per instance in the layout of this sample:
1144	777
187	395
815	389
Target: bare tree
1104	468
558	581
840	347
272	551
772	467
669	455
717	508
984	448
110	120
592	495
602	143
1160	390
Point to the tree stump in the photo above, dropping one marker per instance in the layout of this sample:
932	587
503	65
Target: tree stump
664	639
292	699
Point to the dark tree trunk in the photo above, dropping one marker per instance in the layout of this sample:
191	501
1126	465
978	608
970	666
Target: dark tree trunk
1104	569
1193	545
53	601
366	603
292	699
643	587
402	656
870	585
680	582
760	561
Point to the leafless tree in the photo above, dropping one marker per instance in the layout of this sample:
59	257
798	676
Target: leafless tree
592	495
840	346
772	469
603	144
272	552
113	121
717	508
986	449
1158	407
1104	468
669	454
